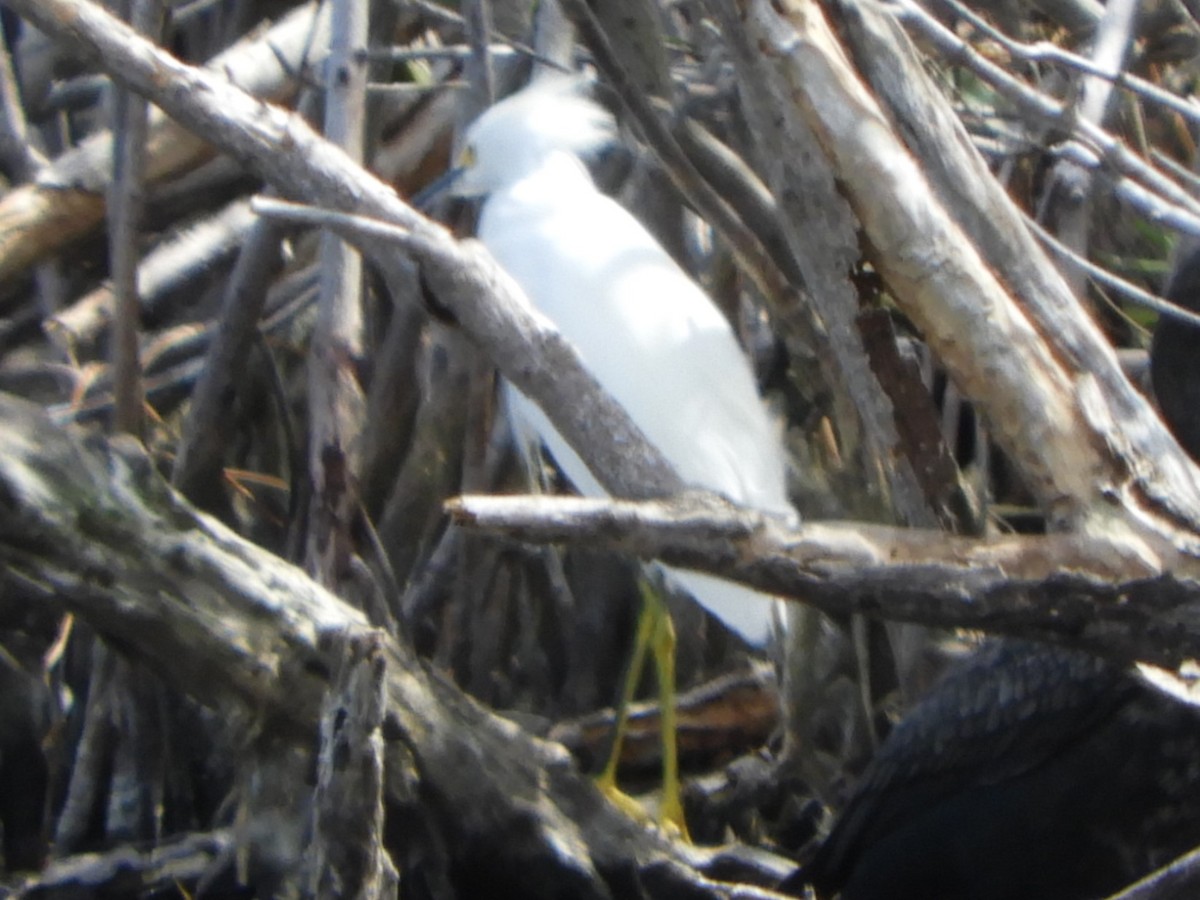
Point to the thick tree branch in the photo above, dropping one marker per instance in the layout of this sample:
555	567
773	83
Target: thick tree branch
1076	590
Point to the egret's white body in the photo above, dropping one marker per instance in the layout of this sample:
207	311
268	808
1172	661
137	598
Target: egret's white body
646	331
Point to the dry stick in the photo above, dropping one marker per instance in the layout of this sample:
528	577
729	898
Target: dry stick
1153	205
183	860
346	856
732	178
135	758
478	22
20	159
89	767
173	359
804	184
1093	145
476	562
1071	589
1047	52
1112	282
179	258
336	400
23	162
1068	197
200	456
394	395
125	208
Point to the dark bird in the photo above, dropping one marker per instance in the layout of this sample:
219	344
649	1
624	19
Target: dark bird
1027	772
1175	358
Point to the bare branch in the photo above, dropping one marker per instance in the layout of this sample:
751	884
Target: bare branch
1070	589
337	403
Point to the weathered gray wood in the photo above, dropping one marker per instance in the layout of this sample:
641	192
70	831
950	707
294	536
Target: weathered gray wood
1072	589
89	526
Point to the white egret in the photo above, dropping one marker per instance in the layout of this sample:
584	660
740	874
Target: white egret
642	326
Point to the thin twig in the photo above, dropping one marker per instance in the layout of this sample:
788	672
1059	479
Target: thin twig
130	130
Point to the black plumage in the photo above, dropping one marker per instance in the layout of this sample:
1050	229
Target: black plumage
1028	773
1033	772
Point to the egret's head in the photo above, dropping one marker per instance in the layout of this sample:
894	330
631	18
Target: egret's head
515	136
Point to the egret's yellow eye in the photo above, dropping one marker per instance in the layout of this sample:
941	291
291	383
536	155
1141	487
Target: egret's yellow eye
466	157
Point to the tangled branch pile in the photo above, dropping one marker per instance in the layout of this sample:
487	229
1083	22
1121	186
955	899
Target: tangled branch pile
299	689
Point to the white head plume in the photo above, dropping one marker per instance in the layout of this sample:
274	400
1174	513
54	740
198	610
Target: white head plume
514	137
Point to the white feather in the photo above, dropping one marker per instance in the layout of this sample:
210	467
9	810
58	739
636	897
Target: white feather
513	138
645	330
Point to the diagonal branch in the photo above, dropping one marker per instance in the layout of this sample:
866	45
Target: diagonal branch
1087	444
285	151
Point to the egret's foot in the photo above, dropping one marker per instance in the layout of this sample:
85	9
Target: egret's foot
654	633
670	814
670	810
627	803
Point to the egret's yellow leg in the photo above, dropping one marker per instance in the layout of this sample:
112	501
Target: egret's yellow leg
607	780
656	633
662	641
